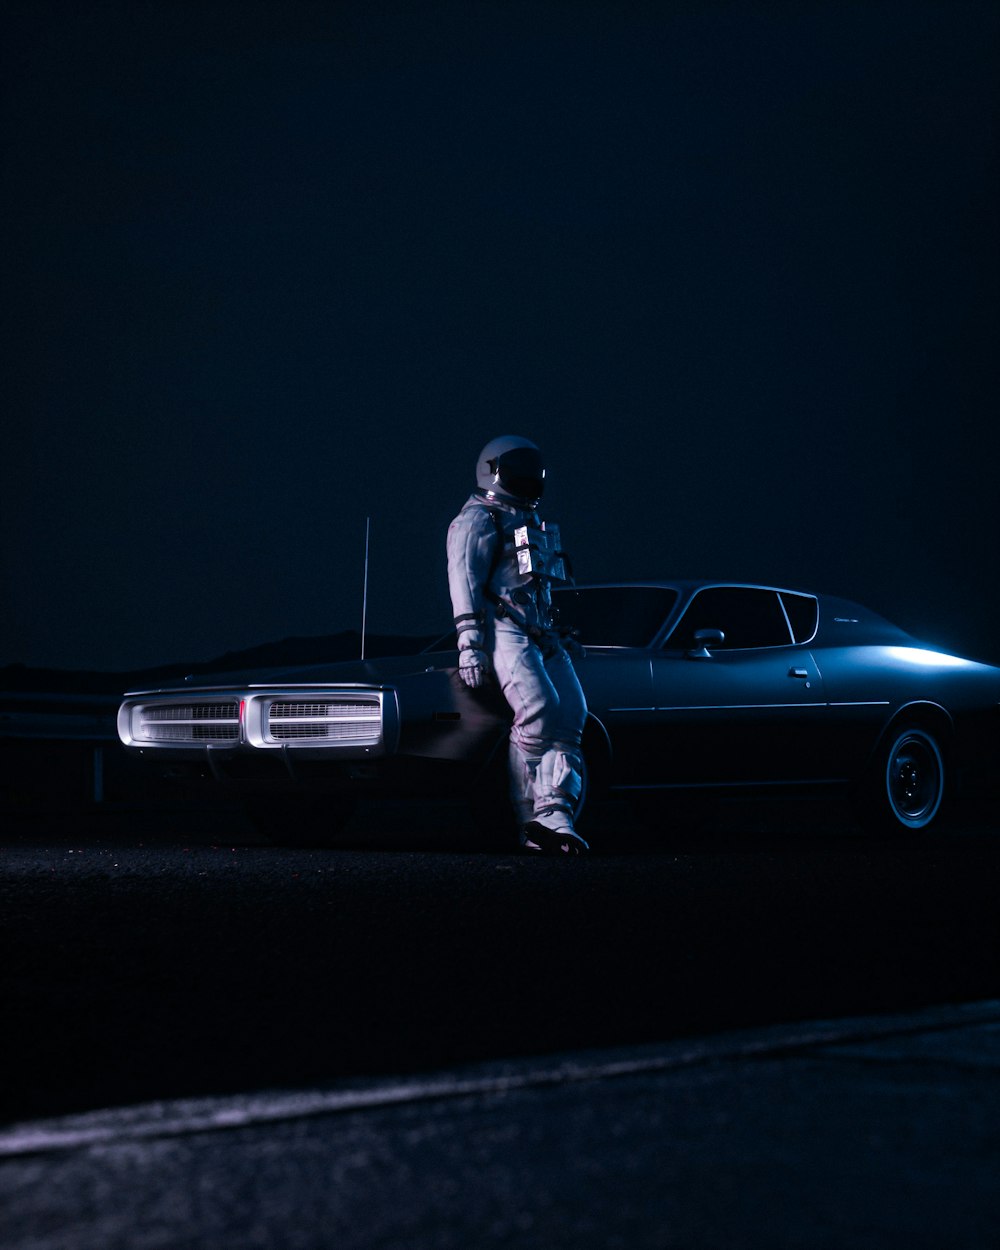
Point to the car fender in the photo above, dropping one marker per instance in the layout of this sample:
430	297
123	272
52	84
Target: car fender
922	714
441	718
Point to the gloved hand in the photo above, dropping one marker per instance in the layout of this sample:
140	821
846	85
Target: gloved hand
473	667
573	647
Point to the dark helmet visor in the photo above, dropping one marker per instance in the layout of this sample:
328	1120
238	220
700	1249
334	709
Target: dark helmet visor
522	472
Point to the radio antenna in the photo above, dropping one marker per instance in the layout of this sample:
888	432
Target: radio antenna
364	596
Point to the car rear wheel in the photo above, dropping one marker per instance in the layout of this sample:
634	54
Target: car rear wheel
906	785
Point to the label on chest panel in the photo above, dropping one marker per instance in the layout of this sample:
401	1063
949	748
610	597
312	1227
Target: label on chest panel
539	551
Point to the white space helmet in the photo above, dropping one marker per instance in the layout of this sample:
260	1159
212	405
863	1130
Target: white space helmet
511	468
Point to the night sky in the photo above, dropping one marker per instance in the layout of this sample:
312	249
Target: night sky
270	268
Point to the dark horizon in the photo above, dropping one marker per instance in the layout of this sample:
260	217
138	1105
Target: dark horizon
273	269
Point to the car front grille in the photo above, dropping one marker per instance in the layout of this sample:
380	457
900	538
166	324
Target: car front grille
187	722
338	720
347	721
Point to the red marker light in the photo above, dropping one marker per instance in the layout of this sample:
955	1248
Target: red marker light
243	708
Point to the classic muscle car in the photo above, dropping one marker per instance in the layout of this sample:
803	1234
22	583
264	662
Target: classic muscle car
691	686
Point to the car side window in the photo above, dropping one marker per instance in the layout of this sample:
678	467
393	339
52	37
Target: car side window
748	617
614	616
803	615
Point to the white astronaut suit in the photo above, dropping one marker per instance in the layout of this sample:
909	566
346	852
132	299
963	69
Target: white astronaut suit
502	561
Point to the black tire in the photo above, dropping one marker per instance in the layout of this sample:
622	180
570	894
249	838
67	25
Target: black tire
905	787
582	809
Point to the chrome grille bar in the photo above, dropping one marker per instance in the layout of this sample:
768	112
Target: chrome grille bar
186	722
352	720
193	712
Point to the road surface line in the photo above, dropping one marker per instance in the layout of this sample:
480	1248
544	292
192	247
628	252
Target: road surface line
199	1115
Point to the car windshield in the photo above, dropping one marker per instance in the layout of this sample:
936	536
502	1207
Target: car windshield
603	616
615	616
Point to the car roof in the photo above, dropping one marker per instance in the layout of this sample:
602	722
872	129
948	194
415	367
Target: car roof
688	585
840	620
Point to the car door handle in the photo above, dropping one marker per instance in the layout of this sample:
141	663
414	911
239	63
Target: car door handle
799	672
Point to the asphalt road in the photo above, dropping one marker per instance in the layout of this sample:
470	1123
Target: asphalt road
876	1132
161	955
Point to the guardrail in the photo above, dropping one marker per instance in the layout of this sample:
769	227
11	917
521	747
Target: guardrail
65	716
33	719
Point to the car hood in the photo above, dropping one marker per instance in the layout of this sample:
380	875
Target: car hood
381	671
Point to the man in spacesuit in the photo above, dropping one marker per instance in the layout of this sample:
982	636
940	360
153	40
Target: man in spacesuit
502	562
